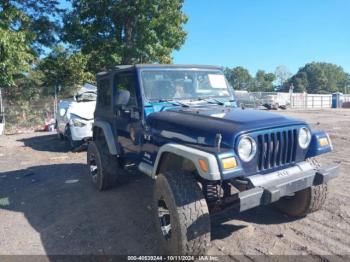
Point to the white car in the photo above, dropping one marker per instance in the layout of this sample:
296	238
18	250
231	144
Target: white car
75	118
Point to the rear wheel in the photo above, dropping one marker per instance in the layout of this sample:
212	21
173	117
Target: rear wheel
103	167
181	214
307	200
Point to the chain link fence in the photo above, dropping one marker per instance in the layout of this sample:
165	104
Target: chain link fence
27	116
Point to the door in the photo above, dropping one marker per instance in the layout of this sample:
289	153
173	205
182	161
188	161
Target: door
127	117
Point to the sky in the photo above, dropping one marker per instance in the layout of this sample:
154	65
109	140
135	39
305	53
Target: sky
262	34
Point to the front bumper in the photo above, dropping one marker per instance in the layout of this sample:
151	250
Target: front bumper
81	133
269	188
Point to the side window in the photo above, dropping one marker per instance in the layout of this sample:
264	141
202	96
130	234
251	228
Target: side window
104	93
126	81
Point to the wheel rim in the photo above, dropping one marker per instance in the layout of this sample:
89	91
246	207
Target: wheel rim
164	219
93	167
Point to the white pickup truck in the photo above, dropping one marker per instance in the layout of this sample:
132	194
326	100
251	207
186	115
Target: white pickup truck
275	102
75	118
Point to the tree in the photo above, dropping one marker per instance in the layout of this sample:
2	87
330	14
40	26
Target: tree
25	27
264	81
27	87
319	78
65	69
37	18
239	78
282	74
15	55
125	32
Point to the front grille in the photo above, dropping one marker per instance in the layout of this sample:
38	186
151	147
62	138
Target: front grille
276	149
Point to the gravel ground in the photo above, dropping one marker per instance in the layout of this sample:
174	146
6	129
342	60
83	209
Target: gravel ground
48	205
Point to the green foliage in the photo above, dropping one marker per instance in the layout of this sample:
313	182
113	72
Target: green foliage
239	78
125	32
39	18
65	69
15	55
27	87
25	105
24	27
319	78
263	82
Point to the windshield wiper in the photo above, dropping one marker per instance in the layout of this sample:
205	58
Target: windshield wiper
174	102
210	100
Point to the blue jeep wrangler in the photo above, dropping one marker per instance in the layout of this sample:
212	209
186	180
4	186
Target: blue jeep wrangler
180	125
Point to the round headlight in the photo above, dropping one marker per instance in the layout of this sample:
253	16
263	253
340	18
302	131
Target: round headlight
304	137
246	148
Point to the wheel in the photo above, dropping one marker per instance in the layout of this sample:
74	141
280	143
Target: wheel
72	144
103	168
181	214
283	107
267	106
305	201
59	134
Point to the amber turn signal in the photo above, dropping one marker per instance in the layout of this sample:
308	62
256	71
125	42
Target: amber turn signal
229	163
323	141
203	165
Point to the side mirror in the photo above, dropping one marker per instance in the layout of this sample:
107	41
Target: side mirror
62	111
122	97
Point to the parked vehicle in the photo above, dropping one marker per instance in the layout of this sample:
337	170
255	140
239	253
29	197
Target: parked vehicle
179	125
274	102
74	118
246	99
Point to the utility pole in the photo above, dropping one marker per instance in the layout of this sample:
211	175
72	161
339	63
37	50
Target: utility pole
58	88
55	103
2	115
291	88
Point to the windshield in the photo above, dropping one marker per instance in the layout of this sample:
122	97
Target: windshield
184	84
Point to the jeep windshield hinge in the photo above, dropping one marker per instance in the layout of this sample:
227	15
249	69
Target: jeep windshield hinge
218	140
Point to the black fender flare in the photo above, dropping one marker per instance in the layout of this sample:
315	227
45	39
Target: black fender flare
108	134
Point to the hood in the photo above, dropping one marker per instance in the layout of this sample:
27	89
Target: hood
84	110
200	125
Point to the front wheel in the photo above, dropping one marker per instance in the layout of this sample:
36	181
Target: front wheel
305	201
181	214
103	168
73	145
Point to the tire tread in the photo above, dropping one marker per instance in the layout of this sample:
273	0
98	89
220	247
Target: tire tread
195	213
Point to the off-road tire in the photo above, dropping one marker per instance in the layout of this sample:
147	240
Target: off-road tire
189	215
107	166
305	201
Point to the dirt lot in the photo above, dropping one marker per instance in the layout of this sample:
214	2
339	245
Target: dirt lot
48	205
